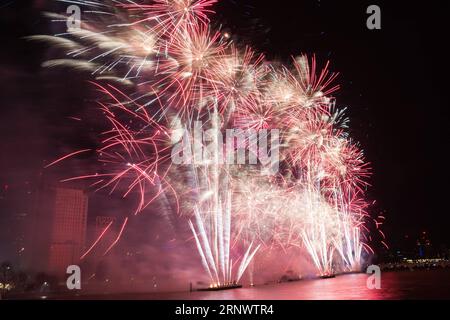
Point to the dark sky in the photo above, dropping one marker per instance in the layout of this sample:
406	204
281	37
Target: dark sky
392	81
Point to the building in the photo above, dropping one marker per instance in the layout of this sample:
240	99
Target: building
101	222
15	205
424	246
68	233
58	232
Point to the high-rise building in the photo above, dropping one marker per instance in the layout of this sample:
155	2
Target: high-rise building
59	229
68	229
15	205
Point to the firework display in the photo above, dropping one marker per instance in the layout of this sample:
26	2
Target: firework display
163	75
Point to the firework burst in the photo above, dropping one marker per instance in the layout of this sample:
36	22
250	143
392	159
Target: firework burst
177	71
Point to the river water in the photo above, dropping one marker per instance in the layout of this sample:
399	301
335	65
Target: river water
425	284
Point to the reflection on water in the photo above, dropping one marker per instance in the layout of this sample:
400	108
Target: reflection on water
433	284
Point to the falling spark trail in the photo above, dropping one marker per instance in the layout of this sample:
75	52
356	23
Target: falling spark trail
118	237
96	241
66	157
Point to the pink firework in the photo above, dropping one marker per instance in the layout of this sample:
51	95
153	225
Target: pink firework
160	70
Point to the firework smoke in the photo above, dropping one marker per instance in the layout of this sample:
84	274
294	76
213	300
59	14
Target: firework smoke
159	68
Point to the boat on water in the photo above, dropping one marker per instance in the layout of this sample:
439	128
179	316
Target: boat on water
221	287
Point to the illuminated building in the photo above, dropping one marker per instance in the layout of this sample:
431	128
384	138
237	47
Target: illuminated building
424	246
59	233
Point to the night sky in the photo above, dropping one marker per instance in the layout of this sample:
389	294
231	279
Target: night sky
392	83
